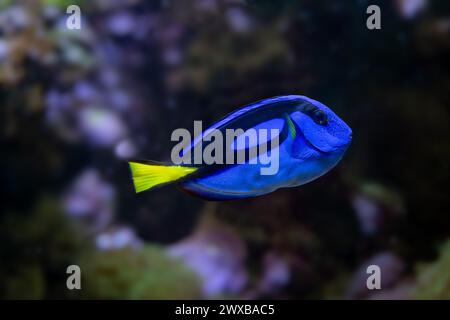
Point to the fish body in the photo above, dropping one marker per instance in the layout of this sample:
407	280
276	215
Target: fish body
311	140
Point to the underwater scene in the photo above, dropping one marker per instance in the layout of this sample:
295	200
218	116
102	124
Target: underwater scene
93	94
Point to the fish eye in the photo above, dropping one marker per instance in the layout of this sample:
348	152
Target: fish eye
317	115
320	117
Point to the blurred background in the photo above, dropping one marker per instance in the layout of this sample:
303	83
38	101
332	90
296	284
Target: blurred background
76	104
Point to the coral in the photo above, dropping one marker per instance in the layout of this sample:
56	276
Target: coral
391	266
36	250
433	279
90	199
118	237
137	274
375	205
217	254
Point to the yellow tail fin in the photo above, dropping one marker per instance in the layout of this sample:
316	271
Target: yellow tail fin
146	176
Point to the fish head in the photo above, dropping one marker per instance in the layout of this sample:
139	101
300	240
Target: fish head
321	127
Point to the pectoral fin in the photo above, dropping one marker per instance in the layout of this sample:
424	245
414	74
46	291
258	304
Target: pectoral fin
291	126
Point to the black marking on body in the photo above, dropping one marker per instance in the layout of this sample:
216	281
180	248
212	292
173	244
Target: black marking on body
245	121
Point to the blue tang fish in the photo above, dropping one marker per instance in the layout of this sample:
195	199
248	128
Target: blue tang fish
312	139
